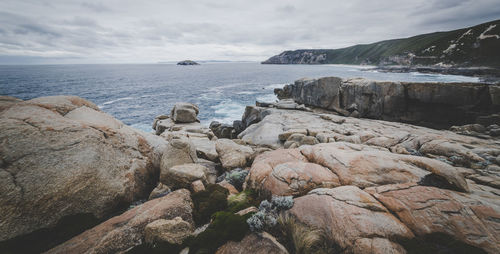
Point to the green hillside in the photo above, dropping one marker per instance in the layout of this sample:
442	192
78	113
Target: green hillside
473	46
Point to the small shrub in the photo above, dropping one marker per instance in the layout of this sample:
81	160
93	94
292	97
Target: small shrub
282	203
267	216
226	226
209	201
237	177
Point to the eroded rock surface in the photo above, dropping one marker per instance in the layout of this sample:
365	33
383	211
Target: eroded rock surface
350	216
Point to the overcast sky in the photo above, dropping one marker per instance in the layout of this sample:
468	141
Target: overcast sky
133	31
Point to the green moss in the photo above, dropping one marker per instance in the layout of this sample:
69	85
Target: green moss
209	201
226	226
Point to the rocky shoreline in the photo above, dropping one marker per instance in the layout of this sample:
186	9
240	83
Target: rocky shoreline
311	173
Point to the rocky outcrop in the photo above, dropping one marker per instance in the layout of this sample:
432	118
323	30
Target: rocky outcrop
433	104
123	232
471	219
63	159
263	243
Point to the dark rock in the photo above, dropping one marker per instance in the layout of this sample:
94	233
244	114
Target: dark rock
187	62
432	104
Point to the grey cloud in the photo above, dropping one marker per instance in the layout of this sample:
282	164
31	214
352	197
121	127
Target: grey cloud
129	30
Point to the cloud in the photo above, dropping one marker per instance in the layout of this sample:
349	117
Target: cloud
151	31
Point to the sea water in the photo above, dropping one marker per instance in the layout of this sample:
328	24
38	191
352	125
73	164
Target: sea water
136	93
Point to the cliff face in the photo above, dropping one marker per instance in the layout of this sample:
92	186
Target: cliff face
431	104
472	46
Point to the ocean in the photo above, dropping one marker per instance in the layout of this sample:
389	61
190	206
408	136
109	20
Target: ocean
136	93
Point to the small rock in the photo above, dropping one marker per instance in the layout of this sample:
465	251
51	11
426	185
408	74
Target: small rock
185	113
197	186
181	176
160	191
228	186
251	209
170	231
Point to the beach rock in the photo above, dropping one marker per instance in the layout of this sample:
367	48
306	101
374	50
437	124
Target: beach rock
159	191
351	219
123	232
173	231
181	176
231	154
184	113
262	243
427	211
8	101
365	166
179	151
62	158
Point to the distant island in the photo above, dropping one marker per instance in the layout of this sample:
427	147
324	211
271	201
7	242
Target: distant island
187	62
468	47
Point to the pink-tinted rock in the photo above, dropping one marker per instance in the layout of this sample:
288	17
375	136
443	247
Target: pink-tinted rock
349	216
125	231
473	218
365	166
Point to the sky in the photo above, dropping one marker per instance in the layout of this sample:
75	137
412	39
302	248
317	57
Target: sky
150	31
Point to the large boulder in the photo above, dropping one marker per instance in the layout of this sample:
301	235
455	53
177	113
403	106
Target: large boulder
184	113
430	211
62	158
232	155
262	243
125	231
352	219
